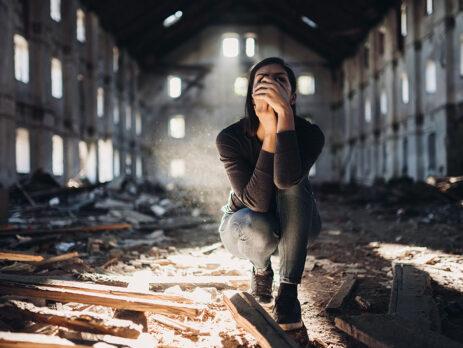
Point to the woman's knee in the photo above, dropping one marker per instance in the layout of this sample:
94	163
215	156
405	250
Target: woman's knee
258	229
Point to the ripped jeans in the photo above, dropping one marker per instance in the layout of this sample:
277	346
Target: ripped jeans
256	236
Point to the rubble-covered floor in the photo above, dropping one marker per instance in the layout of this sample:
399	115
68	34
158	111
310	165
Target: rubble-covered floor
169	239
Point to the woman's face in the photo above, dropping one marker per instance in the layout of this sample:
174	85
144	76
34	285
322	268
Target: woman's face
273	72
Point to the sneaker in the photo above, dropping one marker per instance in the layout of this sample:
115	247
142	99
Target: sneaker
287	312
261	285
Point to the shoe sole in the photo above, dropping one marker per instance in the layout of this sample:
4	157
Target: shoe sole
291	326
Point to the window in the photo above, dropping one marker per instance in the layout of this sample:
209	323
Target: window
80	33
91	163
21	59
128	117
57	155
177	126
105	160
116	115
23	151
100	101
432	151
241	86
367	110
381	40
56	78
138	123
128	164
383	102
306	84
139	167
174	86
250	45
55	10
177	168
117	163
429	7
461	54
115	59
403	19
230	45
405	88
431	77
83	158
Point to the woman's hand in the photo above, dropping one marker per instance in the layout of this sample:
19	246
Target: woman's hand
266	116
271	92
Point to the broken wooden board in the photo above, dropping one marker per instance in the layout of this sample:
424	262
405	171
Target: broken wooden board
88	321
250	315
15	256
411	297
58	258
28	340
98	288
144	340
341	296
101	299
79	229
387	331
164	282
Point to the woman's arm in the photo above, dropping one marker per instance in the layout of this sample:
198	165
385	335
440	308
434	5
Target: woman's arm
254	187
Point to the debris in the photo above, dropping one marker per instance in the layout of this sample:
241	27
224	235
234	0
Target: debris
364	304
27	340
341	296
12	256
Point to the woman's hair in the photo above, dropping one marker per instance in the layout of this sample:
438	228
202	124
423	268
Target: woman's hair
251	122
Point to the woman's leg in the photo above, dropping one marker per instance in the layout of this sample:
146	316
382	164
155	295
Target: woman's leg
250	235
299	223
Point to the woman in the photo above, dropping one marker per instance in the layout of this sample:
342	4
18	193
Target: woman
267	156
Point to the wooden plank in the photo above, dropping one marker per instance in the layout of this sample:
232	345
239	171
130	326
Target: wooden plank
58	258
411	297
144	340
81	321
254	319
79	229
28	340
97	288
114	301
341	296
387	331
15	256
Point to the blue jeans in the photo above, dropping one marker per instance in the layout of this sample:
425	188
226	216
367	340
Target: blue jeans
256	236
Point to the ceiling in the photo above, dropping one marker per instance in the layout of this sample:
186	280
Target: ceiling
138	24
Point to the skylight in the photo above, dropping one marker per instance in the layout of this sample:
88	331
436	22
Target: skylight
309	22
172	19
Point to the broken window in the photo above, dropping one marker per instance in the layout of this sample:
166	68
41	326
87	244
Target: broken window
177	168
100	102
431	76
55	10
80	32
403	19
241	86
230	45
115	59
367	110
105	160
117	163
306	84
139	167
116	115
138	123
21	59
405	88
250	44
128	117
177	126
57	155
23	151
432	151
174	84
91	163
83	158
56	78
429	7
128	164
383	102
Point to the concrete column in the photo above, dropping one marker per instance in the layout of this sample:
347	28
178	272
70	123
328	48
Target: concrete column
7	95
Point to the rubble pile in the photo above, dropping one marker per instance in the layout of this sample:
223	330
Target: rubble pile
99	265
